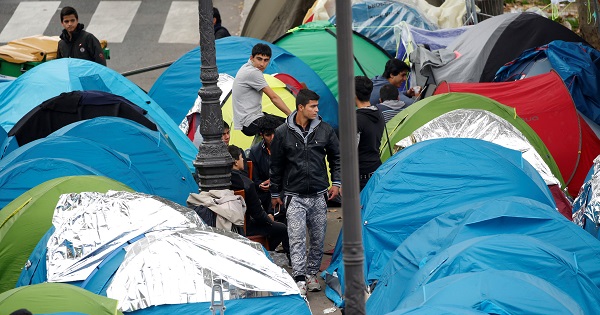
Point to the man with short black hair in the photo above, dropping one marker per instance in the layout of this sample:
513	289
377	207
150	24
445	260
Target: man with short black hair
389	104
260	155
395	73
220	31
248	87
299	176
75	42
369	125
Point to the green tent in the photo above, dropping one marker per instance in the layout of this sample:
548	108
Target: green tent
406	124
315	44
49	298
26	219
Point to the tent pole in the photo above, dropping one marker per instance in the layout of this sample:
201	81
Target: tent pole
352	227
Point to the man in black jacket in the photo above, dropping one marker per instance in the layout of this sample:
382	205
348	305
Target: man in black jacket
258	221
220	31
75	42
299	175
370	125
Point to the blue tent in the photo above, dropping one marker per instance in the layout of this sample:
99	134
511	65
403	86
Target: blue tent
425	180
148	151
438	310
177	88
5	144
376	20
95	158
410	36
508	215
577	64
51	78
499	292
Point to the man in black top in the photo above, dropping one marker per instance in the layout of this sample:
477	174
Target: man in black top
75	42
220	31
370	125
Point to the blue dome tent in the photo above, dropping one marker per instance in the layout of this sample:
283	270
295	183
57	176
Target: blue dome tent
54	77
94	158
177	88
508	215
425	180
496	292
508	252
148	151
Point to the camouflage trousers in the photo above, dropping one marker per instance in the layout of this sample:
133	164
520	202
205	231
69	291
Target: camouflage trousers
306	214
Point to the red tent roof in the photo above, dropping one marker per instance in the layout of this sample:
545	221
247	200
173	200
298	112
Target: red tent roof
545	104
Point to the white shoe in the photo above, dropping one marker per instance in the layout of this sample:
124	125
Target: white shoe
301	287
313	283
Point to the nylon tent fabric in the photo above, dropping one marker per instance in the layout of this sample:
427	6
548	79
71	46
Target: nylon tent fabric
147	150
238	138
487	46
71	107
6	145
26	219
427	111
576	63
302	41
177	87
16	178
571	141
498	252
496	292
375	20
509	215
409	36
425	180
51	78
56	298
437	309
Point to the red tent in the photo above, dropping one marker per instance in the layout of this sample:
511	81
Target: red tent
545	104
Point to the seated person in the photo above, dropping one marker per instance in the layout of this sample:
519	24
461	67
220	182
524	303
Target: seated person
260	155
258	222
389	104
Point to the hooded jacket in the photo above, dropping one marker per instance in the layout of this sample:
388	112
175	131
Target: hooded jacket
370	125
82	45
298	161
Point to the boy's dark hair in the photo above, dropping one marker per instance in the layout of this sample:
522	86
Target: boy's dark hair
394	67
68	11
305	96
22	311
217	15
388	92
225	125
363	87
234	151
268	124
261	49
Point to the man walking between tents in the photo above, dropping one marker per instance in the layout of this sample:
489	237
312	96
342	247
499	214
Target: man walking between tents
248	87
299	176
370	125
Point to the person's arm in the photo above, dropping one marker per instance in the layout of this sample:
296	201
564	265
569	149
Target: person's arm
276	168
97	51
276	100
254	207
333	157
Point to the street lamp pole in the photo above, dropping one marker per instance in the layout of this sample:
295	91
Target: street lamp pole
352	246
213	162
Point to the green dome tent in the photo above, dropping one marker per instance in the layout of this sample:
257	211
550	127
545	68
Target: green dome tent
315	44
51	298
26	219
406	125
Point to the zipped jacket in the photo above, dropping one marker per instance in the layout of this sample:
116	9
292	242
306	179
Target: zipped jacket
298	161
82	45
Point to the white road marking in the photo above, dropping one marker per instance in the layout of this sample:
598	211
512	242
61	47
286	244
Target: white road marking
181	26
112	19
30	18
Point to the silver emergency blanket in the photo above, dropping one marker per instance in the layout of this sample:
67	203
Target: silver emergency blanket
587	204
484	125
184	266
90	225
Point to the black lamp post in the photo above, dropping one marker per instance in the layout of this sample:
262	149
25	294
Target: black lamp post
213	162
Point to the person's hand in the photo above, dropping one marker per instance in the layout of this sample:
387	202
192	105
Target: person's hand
271	217
265	185
334	191
276	202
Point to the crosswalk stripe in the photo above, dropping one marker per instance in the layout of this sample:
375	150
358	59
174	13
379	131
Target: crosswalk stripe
112	19
181	26
30	18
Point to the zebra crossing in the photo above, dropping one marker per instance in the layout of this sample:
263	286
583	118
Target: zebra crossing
111	20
